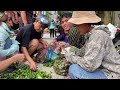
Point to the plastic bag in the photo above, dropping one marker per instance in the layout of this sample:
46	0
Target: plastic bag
41	56
56	48
112	29
45	55
61	67
52	55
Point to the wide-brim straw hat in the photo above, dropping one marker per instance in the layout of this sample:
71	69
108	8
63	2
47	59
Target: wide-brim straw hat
81	17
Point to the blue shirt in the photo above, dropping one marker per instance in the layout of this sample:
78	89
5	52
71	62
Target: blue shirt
52	25
62	37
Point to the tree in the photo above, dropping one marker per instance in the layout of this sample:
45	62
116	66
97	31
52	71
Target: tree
48	14
109	17
61	12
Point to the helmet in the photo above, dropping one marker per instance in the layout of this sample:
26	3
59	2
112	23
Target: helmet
44	21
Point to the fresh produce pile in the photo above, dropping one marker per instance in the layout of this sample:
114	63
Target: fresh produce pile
49	64
72	49
24	72
61	67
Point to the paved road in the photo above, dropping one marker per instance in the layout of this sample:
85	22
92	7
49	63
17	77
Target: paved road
46	36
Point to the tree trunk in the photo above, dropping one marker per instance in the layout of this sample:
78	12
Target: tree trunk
106	17
109	17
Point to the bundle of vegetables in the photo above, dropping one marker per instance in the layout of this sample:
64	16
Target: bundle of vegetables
24	72
72	49
49	64
61	67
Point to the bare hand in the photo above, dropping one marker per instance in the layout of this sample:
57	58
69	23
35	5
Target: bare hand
55	42
61	45
45	44
20	57
32	65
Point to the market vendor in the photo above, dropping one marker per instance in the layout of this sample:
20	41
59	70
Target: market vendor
66	27
99	59
69	34
30	39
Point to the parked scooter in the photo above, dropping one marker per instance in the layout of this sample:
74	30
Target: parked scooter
115	35
116	40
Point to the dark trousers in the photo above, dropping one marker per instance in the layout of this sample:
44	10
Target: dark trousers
52	32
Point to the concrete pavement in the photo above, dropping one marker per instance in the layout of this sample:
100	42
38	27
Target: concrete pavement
46	37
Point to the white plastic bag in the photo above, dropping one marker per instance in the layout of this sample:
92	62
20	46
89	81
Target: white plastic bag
112	29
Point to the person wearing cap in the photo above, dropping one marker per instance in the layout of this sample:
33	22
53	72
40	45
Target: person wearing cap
30	39
98	58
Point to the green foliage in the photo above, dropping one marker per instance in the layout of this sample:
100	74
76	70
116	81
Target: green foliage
24	72
61	12
49	64
48	14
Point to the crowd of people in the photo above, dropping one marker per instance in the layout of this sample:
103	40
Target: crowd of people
95	56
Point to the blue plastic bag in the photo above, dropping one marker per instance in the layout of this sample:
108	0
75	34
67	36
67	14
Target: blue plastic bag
52	55
46	56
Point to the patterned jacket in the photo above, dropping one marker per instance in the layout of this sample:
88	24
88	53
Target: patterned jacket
97	53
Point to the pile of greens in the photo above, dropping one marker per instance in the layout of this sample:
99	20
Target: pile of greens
49	64
61	67
24	72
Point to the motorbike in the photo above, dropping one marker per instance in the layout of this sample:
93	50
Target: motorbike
116	40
